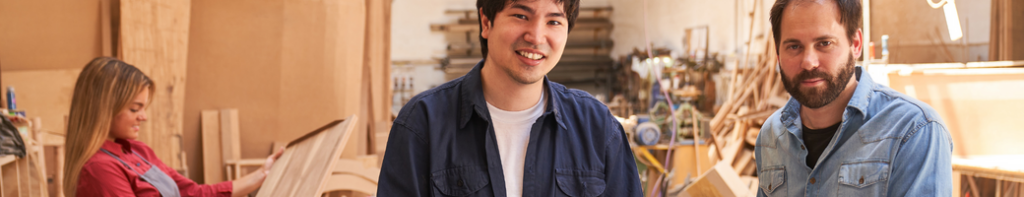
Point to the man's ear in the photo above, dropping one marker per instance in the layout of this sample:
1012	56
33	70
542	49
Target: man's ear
856	45
485	24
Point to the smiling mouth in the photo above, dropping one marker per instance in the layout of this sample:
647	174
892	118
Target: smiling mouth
812	81
529	55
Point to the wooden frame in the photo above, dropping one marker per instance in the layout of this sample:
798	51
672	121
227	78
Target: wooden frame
307	162
220	130
25	176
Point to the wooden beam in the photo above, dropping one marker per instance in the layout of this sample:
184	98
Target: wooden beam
213	161
230	147
10	176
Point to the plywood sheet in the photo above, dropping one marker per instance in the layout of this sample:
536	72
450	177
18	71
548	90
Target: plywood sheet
42	93
980	106
307	163
154	37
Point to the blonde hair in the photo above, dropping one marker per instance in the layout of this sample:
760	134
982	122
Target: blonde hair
104	88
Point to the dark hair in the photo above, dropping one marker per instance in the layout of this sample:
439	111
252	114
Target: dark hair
492	7
849	15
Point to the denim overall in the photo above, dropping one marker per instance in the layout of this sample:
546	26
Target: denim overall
163	183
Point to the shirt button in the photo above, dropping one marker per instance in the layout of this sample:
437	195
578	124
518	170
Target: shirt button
812	180
459	183
861	180
769	187
802	147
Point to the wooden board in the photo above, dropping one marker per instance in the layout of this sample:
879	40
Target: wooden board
230	147
154	37
9	180
977	105
684	163
719	181
307	163
213	171
43	93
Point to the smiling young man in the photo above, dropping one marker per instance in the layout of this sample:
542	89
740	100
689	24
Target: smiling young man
504	129
842	134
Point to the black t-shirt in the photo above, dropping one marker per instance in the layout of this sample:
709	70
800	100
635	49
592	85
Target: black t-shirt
817	140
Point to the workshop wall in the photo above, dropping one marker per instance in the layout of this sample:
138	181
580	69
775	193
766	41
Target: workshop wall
926	39
287	66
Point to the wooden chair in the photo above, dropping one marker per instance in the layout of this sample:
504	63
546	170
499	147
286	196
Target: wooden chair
221	130
353	175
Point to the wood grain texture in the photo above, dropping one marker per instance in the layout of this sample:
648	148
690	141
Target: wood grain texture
213	172
307	162
154	37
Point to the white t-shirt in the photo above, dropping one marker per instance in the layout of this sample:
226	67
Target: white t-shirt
512	130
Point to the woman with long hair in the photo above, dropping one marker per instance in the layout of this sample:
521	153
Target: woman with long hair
104	159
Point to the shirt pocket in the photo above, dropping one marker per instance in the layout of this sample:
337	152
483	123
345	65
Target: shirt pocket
772	181
863	178
580	183
461	181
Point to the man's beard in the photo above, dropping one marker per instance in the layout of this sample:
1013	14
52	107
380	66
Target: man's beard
818	97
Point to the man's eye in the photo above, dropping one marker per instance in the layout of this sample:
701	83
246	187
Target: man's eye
794	47
520	16
825	44
554	23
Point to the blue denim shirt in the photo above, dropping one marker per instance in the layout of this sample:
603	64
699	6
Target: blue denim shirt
442	144
888	144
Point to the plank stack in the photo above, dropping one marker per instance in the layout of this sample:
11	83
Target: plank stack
754	94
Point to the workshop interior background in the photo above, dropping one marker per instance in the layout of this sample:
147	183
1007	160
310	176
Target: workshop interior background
236	79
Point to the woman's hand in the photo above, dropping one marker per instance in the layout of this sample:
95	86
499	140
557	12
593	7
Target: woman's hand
270	161
252	181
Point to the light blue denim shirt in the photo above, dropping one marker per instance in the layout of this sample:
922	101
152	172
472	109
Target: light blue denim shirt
888	144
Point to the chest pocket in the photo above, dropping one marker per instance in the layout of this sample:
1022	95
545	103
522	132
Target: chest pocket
462	181
772	181
580	183
864	178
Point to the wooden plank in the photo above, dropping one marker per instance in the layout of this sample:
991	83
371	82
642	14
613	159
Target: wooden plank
154	37
721	180
742	160
10	179
306	164
684	165
957	185
59	181
106	28
377	57
33	171
230	147
213	161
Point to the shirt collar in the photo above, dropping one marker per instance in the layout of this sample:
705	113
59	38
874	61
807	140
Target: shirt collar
118	146
471	99
858	102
